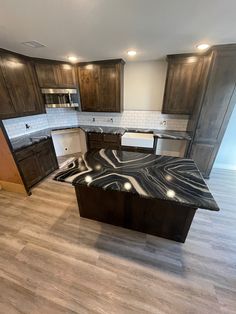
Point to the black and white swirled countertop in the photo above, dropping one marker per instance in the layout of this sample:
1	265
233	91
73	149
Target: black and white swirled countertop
35	137
162	177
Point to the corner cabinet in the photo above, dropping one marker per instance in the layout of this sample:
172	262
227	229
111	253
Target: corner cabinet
36	162
20	93
182	83
53	74
101	85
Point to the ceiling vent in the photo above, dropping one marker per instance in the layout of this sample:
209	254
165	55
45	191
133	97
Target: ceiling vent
33	44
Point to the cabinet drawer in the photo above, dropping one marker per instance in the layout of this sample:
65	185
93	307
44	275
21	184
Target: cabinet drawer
24	153
95	137
138	149
111	138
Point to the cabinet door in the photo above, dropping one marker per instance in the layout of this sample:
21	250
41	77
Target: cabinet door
66	76
109	88
89	87
46	156
7	108
201	154
95	145
21	82
31	170
47	74
182	84
56	75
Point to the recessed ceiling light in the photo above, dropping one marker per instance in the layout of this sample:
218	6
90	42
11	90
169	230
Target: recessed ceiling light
131	53
72	58
33	44
203	46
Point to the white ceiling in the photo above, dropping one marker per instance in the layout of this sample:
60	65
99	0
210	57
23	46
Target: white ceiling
103	29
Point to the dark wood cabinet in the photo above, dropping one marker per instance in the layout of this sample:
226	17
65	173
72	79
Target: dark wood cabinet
89	86
55	74
182	84
201	153
103	140
214	111
30	170
21	77
67	75
47	157
204	87
36	162
109	88
7	108
47	75
101	85
136	149
21	82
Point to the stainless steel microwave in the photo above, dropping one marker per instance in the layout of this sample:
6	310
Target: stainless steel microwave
61	97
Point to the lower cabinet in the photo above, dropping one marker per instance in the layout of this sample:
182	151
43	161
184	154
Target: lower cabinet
135	149
113	141
103	140
36	162
202	154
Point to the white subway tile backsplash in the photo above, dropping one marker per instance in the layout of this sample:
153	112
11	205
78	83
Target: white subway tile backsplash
66	117
16	127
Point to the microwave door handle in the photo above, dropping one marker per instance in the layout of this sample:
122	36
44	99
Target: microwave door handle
69	96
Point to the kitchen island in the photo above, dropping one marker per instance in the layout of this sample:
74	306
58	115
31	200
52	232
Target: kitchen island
154	194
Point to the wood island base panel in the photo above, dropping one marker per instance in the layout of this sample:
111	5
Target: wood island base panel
151	216
149	193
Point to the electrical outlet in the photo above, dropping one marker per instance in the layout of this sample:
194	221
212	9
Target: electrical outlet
93	120
163	123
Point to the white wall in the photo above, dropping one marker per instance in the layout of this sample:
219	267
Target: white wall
144	84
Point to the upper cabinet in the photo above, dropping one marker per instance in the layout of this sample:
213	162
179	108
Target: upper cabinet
55	74
6	108
20	93
182	84
101	85
89	86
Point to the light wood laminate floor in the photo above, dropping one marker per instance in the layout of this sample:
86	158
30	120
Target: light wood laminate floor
52	261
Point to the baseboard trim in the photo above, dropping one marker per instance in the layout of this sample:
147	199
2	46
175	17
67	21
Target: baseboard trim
13	187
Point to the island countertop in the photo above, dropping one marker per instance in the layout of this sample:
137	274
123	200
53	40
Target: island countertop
173	179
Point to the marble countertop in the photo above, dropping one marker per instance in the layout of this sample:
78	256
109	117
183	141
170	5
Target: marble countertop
168	178
29	139
35	137
172	135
